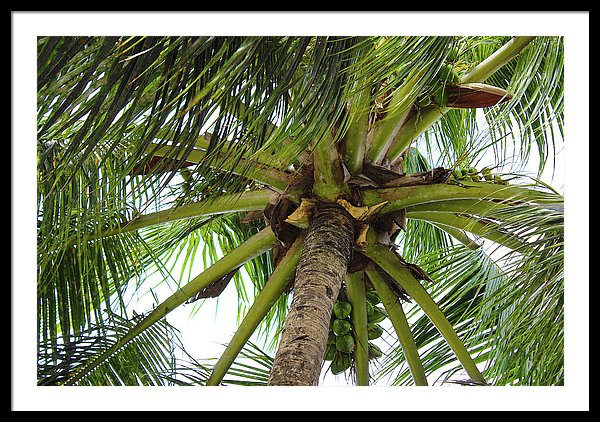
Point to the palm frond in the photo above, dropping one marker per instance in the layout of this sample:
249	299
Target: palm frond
532	117
508	306
251	368
135	91
535	112
148	360
391	263
530	337
76	278
458	275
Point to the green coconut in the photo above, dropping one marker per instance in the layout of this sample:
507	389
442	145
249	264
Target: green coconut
340	363
487	174
374	331
500	180
342	309
440	97
345	343
448	74
330	351
374	351
378	315
373	297
341	327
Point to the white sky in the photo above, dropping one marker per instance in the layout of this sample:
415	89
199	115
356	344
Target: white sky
28	25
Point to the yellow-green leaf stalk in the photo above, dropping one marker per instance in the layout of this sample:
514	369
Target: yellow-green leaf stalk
468	223
282	276
237	202
403	197
396	314
390	263
251	169
329	183
356	134
251	248
386	129
459	235
357	298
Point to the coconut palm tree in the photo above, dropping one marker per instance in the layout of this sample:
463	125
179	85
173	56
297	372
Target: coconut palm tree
366	188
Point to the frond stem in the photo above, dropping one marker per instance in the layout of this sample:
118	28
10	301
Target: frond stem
356	136
390	263
419	123
237	202
403	197
251	248
276	285
256	171
385	130
328	171
393	306
357	298
471	224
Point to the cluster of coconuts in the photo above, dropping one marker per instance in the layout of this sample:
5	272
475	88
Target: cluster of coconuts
341	343
188	180
471	173
437	92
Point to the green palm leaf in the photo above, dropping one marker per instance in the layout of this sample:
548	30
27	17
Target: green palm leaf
251	368
148	360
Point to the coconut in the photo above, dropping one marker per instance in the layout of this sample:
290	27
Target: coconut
341	327
500	180
373	297
340	363
377	316
440	97
342	309
345	343
448	74
330	352
374	331
374	351
487	174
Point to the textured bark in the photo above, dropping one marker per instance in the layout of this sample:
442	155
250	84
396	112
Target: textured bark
327	251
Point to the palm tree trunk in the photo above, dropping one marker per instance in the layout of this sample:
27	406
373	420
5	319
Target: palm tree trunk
327	251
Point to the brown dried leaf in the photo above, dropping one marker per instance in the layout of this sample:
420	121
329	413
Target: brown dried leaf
437	175
215	289
379	174
301	216
476	95
157	165
277	215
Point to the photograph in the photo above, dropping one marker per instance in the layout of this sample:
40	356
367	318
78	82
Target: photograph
301	203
